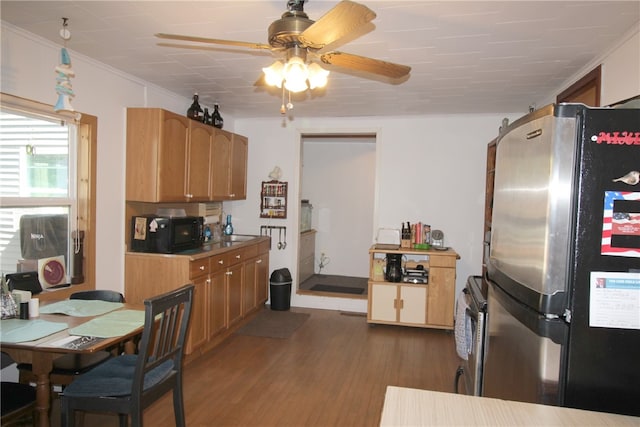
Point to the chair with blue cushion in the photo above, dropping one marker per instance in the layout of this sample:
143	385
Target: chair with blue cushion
127	384
70	365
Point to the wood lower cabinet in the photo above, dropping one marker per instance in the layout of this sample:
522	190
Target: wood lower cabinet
428	305
256	279
230	285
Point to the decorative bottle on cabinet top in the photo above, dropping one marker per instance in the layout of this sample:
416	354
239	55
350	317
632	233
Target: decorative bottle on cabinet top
216	117
206	119
195	111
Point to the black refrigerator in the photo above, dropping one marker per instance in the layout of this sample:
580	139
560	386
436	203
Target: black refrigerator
564	266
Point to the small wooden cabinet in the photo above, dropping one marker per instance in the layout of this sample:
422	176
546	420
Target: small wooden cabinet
429	305
306	263
230	284
171	158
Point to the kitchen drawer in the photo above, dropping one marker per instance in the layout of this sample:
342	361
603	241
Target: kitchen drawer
249	252
198	268
218	262
242	254
442	261
264	247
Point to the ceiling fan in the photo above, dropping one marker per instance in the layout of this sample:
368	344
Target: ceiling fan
297	37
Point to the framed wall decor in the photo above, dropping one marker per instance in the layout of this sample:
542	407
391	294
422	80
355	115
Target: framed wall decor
273	197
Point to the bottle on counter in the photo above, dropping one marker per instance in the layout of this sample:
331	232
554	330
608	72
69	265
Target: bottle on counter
195	111
206	118
207	233
228	227
216	117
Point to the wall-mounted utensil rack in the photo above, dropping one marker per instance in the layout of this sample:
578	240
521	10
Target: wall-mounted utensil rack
268	230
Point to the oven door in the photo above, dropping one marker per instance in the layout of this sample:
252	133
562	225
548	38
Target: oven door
476	315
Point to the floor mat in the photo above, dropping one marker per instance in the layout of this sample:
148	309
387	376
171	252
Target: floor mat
336	289
274	324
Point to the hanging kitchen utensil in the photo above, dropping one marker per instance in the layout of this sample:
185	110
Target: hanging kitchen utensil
284	244
279	238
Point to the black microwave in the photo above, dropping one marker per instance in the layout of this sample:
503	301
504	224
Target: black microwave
166	235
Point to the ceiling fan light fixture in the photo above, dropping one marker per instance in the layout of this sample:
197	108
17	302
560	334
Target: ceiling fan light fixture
318	76
295	74
273	74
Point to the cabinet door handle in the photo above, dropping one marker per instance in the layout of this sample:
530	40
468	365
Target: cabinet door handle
229	273
258	261
401	304
237	256
221	262
232	195
202	268
188	196
208	281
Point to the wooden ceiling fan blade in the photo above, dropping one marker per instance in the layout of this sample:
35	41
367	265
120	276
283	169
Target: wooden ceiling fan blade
368	65
344	18
213	41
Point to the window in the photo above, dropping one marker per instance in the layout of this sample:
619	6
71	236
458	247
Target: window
46	187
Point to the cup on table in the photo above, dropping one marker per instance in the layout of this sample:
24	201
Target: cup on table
34	307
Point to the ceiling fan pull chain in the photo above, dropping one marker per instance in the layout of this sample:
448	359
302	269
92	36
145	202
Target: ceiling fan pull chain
289	104
283	110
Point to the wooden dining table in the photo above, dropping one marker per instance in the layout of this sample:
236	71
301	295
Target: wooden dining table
41	353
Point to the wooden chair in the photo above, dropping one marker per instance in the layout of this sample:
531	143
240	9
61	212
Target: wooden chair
67	367
127	384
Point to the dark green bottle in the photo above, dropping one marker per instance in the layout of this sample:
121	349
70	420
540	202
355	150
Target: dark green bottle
216	117
195	111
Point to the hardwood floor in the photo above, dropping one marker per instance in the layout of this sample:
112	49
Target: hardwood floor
333	371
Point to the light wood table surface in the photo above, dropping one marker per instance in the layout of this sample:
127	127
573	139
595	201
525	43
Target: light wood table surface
41	353
412	407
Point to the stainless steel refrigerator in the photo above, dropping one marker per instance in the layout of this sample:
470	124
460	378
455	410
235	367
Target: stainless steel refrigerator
564	266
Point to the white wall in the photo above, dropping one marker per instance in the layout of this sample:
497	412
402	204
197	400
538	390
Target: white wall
338	178
28	64
427	167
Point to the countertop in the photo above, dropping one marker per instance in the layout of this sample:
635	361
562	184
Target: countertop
211	249
412	407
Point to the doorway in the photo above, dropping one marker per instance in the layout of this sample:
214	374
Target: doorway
338	180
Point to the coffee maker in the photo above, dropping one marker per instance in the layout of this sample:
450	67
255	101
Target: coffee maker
393	271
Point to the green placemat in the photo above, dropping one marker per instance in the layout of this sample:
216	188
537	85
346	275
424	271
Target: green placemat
114	324
80	308
18	330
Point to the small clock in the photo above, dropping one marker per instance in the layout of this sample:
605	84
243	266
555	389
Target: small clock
51	271
437	238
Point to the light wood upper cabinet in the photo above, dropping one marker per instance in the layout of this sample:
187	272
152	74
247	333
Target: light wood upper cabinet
171	158
239	155
229	166
199	166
